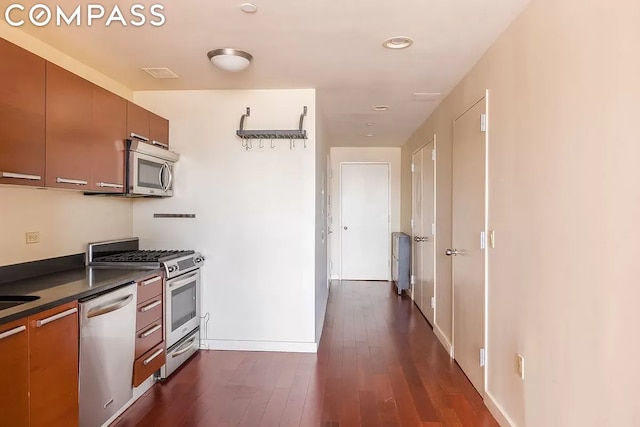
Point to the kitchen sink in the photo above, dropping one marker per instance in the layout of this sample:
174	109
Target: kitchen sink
8	301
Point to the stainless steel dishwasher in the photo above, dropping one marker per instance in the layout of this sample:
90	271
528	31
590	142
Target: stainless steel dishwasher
107	347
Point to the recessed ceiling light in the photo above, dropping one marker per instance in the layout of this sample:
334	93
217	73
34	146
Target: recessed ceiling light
398	42
368	135
381	108
161	73
370	124
249	8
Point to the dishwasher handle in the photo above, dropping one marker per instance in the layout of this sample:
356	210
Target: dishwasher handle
108	309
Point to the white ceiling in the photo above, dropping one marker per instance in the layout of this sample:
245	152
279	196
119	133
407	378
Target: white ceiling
332	45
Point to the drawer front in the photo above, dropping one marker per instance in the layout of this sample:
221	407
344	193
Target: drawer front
148	337
150	287
148	311
148	363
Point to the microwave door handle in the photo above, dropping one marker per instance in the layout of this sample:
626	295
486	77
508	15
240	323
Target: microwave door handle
161	175
170	177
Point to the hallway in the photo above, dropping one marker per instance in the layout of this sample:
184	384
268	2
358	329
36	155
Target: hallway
379	364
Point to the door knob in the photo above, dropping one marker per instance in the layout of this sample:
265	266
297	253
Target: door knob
346	228
450	252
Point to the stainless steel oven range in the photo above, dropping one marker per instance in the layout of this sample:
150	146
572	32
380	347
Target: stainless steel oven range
181	292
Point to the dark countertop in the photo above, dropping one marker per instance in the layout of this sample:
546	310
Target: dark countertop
59	288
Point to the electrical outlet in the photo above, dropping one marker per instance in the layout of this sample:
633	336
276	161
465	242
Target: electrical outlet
32	237
520	365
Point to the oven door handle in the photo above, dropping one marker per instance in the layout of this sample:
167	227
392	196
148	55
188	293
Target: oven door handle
184	348
187	279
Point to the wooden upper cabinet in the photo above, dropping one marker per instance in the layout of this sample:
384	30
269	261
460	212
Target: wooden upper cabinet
14	381
108	149
137	121
53	366
159	131
22	116
69	117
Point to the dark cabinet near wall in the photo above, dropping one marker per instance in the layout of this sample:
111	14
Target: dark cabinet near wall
147	126
159	131
107	144
69	118
137	121
22	116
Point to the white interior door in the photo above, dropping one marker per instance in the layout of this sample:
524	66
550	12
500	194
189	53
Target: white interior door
423	239
364	228
417	207
469	172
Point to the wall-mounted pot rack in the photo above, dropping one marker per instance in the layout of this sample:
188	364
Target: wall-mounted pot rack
292	135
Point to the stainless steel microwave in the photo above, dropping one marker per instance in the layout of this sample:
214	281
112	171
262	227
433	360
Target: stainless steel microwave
149	169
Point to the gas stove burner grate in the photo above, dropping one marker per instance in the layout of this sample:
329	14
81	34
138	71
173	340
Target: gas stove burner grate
143	256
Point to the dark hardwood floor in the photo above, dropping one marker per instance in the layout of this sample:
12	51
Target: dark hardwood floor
379	364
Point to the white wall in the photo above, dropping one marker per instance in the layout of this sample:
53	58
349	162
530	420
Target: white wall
564	203
391	155
256	213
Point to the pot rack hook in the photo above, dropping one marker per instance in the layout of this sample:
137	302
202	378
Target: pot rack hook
247	114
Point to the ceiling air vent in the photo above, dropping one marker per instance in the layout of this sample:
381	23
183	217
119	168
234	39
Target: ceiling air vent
426	96
161	73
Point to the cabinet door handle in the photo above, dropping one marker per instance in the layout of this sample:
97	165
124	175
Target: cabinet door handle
110	185
157	353
160	144
71	181
139	137
150	281
150	306
13	331
40	323
150	331
20	176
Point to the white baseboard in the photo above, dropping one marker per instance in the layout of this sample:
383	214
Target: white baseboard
277	346
443	340
497	411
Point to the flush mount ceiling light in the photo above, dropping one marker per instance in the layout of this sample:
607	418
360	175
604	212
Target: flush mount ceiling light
381	108
249	8
398	42
370	124
369	135
228	59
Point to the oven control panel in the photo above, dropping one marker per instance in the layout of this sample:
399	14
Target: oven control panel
178	266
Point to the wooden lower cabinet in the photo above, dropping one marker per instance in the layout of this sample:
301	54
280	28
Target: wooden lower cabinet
14	381
53	367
